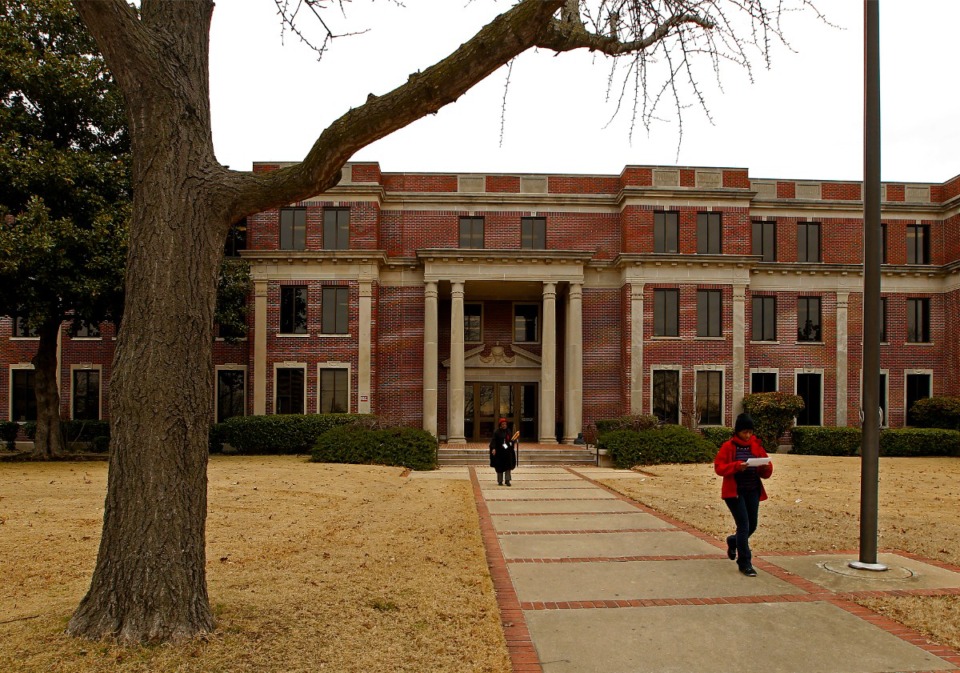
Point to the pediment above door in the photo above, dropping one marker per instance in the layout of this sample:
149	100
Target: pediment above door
497	356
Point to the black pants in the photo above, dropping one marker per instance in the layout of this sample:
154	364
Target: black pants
745	509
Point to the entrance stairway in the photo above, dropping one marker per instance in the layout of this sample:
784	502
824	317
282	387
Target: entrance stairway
477	455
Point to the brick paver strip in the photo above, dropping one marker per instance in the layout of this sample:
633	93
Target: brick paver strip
523	655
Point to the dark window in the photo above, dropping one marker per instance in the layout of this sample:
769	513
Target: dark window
710	397
21	328
526	319
918	244
884	421
763	382
808	319
293	310
883	319
336	316
808	242
666	232
336	228
471	232
709	234
86	394
918	321
765	240
289	391
883	243
81	329
666	316
333	391
666	395
24	404
230	394
709	315
918	388
236	239
808	388
764	319
472	323
293	229
533	233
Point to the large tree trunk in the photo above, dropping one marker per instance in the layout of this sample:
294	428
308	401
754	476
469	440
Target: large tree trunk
48	442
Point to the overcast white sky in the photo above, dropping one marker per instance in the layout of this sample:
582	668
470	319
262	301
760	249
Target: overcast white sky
800	119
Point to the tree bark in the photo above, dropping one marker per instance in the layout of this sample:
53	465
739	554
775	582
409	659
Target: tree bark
48	442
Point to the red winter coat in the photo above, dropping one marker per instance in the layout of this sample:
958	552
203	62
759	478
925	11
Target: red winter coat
726	464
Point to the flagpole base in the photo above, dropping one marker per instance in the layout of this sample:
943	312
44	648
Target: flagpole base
860	565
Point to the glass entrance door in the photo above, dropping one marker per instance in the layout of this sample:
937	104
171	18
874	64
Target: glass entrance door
485	403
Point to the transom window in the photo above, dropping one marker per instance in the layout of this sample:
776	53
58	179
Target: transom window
336	228
336	316
293	228
526	323
763	382
808	242
709	234
293	309
666	232
533	233
471	232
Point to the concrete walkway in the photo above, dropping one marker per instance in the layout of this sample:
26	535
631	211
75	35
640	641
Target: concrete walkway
589	580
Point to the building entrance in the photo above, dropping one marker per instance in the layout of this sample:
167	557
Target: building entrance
485	403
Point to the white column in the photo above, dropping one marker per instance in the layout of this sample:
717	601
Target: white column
739	345
636	348
573	369
430	357
842	362
260	347
548	366
365	319
455	412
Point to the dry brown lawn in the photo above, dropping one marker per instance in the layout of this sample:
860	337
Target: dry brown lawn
310	567
814	505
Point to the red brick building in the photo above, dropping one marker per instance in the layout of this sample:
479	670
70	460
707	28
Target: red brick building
445	301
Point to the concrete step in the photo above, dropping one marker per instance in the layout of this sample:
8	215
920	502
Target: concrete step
537	456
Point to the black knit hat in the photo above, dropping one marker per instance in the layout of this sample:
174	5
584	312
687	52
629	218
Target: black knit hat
744	422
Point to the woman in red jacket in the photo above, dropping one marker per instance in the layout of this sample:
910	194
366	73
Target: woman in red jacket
742	489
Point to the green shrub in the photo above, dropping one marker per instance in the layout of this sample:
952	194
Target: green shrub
936	412
282	433
716	434
30	430
100	444
817	441
667	444
8	433
365	445
920	442
635	422
773	415
84	431
215	437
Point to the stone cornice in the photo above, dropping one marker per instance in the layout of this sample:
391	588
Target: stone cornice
660	259
378	257
475	255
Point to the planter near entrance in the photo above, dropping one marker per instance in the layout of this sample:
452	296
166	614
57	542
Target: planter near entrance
603	458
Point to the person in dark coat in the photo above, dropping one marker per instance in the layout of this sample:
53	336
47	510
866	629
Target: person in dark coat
503	454
742	489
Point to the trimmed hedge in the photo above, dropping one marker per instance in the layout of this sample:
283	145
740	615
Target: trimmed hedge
936	412
716	434
215	437
282	433
8	433
920	442
826	441
84	431
636	422
363	445
773	415
667	444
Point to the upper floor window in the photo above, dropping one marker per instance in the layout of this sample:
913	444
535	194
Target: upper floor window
764	319
918	244
808	319
81	329
293	310
765	240
533	233
709	234
666	232
526	323
335	310
336	228
471	232
918	321
293	228
709	313
22	329
236	239
666	316
883	243
883	319
808	242
473	323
